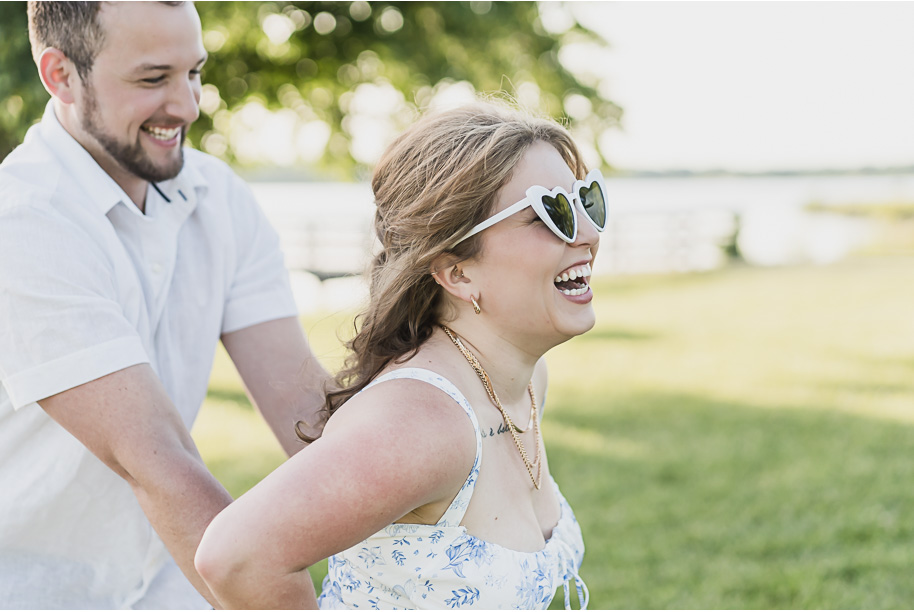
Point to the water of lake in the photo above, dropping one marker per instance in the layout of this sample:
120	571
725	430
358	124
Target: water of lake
656	224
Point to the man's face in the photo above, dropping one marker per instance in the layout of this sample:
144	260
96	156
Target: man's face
143	90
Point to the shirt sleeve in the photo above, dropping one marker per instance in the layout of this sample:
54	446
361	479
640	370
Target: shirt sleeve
61	324
260	289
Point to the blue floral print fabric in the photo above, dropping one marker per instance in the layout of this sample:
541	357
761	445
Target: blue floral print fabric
441	566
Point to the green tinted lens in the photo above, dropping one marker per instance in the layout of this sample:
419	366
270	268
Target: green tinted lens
594	203
559	210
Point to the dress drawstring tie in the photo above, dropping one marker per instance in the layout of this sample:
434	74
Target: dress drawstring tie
571	573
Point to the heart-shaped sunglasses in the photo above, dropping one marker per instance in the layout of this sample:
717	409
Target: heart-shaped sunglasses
556	207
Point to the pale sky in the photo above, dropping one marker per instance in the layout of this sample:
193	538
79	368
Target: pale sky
757	85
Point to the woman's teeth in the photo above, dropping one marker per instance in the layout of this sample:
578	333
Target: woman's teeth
574	274
580	291
574	280
162	133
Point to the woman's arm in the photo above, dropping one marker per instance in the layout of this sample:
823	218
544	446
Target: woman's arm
398	446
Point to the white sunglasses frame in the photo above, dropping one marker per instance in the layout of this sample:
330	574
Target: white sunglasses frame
534	199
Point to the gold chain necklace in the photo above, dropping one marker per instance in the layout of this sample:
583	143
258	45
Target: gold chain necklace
530	420
512	428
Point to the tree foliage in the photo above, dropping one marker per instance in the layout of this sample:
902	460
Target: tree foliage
325	67
22	97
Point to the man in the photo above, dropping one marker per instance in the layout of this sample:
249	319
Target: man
123	261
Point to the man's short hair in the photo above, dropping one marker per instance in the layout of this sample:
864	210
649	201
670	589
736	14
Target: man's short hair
71	27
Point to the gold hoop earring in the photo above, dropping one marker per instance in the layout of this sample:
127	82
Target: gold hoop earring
476	307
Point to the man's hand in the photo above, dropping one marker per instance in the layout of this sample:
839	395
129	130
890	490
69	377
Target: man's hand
282	376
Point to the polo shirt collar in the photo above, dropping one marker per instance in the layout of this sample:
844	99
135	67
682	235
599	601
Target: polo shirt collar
186	187
104	193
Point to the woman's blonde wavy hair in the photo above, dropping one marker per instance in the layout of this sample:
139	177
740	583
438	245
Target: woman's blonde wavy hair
434	183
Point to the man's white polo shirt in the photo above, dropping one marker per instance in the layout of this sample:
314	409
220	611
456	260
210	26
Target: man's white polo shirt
89	285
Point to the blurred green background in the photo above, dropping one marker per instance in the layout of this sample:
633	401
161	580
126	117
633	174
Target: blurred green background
338	74
734	438
740	438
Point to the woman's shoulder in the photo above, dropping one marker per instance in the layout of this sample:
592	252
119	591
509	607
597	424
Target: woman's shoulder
420	399
412	434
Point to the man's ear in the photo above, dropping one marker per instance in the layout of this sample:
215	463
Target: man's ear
58	74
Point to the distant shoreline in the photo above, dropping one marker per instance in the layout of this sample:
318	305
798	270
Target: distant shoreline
275	175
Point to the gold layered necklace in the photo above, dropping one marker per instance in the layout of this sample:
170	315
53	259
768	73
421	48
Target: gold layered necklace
512	428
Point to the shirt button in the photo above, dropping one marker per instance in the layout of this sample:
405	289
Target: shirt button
156	269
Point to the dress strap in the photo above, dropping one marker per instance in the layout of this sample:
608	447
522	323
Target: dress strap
454	513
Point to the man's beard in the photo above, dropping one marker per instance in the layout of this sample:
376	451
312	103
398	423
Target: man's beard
131	157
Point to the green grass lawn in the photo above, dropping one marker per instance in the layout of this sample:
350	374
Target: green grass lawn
736	439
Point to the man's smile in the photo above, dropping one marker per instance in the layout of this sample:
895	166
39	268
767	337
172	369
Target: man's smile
162	134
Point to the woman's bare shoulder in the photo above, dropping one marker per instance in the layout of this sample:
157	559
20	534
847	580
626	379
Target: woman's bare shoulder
411	411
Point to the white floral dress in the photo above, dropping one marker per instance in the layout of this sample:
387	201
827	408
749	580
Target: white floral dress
442	566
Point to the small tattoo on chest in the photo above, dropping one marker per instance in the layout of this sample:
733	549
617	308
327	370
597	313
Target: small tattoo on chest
491	432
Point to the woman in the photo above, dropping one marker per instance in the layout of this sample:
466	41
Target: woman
430	485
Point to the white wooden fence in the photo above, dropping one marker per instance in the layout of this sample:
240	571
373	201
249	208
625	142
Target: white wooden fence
326	230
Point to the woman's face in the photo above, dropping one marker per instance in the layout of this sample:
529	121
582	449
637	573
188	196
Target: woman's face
521	259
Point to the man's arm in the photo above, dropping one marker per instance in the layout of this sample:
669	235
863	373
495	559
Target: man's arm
127	420
282	376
